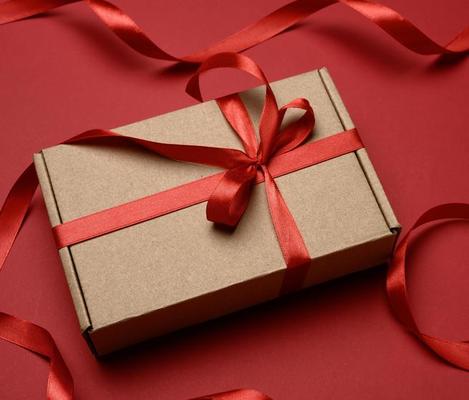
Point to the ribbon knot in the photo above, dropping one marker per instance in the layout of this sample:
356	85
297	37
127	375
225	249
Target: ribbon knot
230	198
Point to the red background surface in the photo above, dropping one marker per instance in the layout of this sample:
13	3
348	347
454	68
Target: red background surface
65	73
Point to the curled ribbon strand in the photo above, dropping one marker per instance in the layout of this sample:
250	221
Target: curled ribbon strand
454	352
394	24
38	340
239	394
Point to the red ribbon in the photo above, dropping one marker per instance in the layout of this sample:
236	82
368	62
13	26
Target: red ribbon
198	191
38	340
454	352
238	394
230	198
394	24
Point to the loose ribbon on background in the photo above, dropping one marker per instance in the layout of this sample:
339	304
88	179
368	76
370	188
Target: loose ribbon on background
394	24
239	394
455	352
17	203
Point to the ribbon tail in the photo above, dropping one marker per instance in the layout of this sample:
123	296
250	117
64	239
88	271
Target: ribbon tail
394	24
13	10
404	32
38	340
238	394
23	333
15	209
454	352
292	245
214	156
230	199
128	31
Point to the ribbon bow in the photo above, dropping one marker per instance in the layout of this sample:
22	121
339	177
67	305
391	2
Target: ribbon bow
230	198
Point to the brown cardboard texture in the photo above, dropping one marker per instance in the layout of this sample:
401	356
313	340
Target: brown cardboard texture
179	269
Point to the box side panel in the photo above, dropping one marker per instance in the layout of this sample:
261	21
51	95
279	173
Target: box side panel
237	297
378	190
65	256
362	155
334	95
350	260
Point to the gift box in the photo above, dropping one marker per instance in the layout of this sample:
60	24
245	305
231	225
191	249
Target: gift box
179	269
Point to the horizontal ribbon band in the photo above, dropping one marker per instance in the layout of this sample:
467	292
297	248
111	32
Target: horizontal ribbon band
195	192
239	394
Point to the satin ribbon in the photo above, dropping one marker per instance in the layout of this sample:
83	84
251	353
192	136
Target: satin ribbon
36	339
198	191
454	352
394	24
238	394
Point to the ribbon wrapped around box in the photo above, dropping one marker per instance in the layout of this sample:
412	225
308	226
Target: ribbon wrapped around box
140	256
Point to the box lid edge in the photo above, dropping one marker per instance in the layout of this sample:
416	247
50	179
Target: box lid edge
65	255
362	154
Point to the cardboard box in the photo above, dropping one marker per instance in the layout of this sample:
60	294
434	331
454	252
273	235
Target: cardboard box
179	269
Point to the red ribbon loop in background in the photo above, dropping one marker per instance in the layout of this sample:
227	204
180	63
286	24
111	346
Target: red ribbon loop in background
239	394
394	24
455	352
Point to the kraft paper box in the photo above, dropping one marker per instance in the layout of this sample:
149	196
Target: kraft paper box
179	269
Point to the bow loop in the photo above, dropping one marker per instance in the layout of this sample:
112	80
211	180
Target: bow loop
268	125
297	132
237	116
230	198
